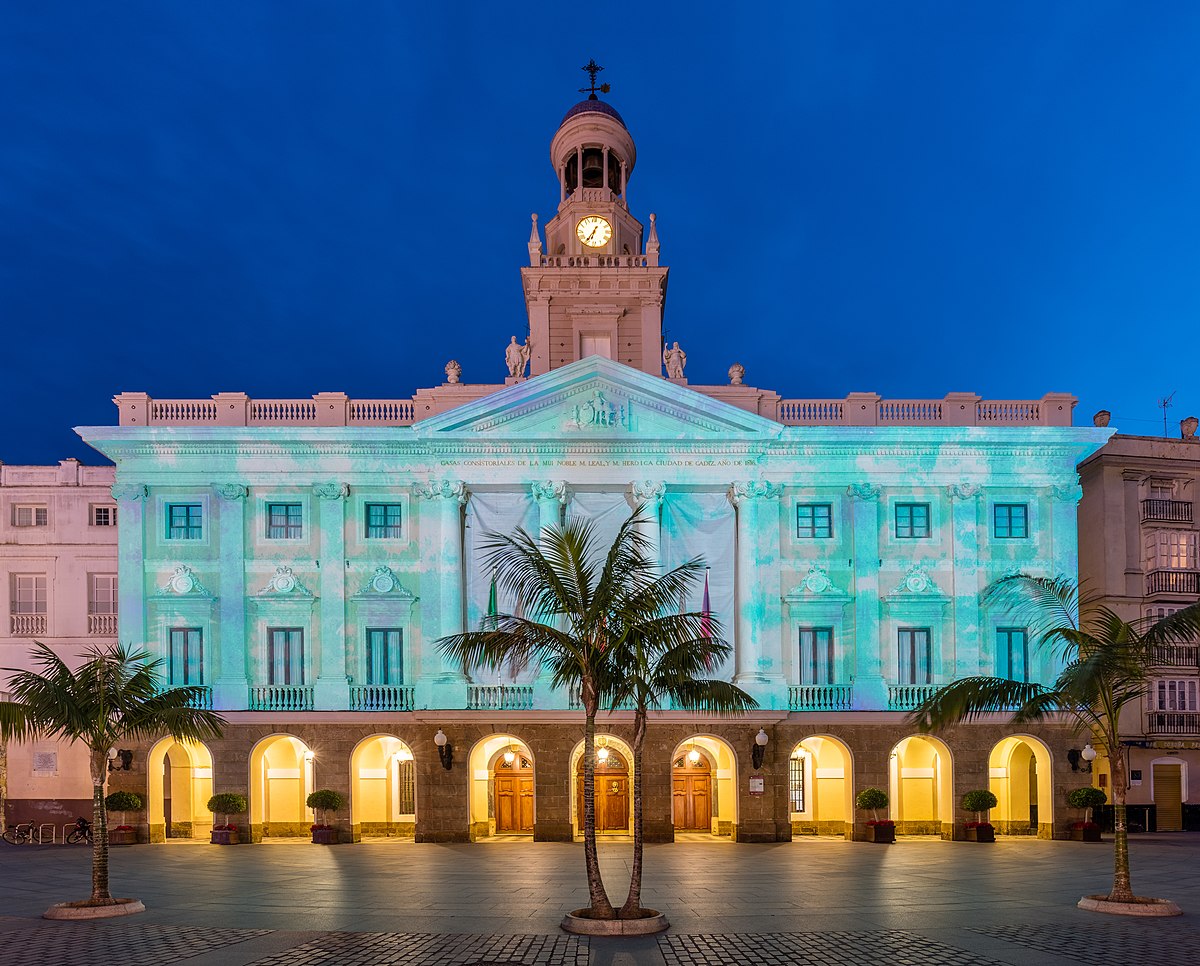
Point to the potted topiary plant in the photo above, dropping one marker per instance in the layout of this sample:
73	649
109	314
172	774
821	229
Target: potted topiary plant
881	830
1086	798
321	801
980	801
122	802
226	804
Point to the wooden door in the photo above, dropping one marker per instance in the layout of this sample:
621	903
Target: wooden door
514	796
612	794
1168	798
691	794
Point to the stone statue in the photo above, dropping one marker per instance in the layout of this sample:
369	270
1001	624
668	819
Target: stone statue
737	372
1101	418
516	357
674	359
1187	427
453	372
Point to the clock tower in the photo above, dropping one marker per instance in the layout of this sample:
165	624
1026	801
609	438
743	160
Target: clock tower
596	287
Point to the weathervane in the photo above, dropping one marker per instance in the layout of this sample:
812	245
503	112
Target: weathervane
593	69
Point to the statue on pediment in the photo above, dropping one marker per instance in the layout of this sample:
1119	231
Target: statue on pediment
516	357
674	359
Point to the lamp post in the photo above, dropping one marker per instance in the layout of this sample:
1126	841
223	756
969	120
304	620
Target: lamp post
445	749
759	748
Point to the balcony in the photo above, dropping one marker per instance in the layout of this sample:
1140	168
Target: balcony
27	625
820	697
281	697
381	697
1176	655
102	625
1173	723
1173	582
202	700
905	697
1166	511
500	697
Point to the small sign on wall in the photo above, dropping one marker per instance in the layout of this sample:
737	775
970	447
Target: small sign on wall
756	784
45	764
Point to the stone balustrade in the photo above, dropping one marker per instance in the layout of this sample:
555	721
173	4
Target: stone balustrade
27	625
820	697
281	697
102	625
905	697
499	697
381	697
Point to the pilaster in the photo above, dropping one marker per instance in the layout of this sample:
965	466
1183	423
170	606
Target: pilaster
131	562
649	495
232	687
442	683
870	689
757	656
964	516
332	687
1064	550
1135	577
550	497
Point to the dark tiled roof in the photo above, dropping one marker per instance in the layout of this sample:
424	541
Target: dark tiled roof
593	107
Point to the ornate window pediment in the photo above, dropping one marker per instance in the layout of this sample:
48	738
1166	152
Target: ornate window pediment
284	583
183	582
816	586
917	582
384	583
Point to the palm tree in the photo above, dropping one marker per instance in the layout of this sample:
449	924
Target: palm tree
581	602
655	668
115	696
1105	663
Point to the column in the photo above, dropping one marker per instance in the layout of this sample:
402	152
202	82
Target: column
550	497
579	169
759	612
332	688
131	562
605	162
1064	555
650	493
231	689
970	648
870	689
1134	576
442	683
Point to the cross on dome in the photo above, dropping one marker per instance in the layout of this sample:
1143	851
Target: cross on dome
592	68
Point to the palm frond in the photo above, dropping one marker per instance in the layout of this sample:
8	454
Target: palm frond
968	698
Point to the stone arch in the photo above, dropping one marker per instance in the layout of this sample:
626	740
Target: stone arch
501	796
1021	776
383	791
281	776
623	777
821	781
178	787
724	789
921	786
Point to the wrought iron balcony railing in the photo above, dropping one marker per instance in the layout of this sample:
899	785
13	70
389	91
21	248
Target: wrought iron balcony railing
1167	511
1173	582
1176	655
1173	723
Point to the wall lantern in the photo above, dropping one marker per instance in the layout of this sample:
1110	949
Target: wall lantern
693	755
759	748
602	750
403	755
511	755
1082	760
445	749
119	760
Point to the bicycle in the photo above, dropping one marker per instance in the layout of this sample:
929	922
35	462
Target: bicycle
21	833
81	833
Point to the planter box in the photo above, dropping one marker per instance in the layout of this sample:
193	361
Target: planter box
225	837
325	836
981	835
1085	835
122	837
881	834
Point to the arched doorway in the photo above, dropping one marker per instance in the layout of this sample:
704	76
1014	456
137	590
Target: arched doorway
1019	775
281	778
704	786
383	796
820	787
179	785
612	785
922	787
502	800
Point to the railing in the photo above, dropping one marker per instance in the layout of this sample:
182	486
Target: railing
381	412
202	700
283	412
812	412
183	411
500	697
820	697
1173	723
281	697
909	412
1173	582
1176	655
1167	511
27	625
238	409
102	625
594	261
956	409
380	697
1008	413
905	697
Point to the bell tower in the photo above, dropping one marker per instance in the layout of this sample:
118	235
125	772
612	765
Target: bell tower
596	287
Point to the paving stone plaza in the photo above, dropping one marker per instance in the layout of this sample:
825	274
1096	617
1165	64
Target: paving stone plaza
817	901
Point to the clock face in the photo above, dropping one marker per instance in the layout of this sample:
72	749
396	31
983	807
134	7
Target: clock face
594	231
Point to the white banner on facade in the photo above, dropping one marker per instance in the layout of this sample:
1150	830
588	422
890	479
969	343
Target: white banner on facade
606	511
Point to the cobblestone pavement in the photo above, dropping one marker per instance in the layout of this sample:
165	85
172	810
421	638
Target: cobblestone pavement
386	949
41	943
1171	942
815	949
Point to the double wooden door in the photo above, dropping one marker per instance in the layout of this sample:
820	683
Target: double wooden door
514	796
691	794
612	794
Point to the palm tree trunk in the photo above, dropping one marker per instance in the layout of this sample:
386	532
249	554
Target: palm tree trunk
1122	889
601	907
100	893
633	903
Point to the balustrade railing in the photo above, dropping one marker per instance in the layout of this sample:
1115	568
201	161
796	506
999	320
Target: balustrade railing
102	625
183	411
380	697
500	697
202	700
1173	723
1176	655
283	412
381	412
1173	582
820	697
905	697
281	697
27	625
1167	511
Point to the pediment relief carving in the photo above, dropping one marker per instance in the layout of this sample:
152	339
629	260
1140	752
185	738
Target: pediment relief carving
817	585
183	582
284	583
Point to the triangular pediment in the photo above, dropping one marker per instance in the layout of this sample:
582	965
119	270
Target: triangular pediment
596	397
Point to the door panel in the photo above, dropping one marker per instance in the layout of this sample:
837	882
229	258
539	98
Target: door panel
1168	798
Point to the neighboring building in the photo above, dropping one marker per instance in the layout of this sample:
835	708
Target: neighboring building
299	558
1138	551
58	578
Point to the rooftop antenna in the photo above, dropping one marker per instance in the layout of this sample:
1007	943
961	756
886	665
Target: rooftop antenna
1165	404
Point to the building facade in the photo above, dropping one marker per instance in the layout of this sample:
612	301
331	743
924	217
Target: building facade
299	559
1138	553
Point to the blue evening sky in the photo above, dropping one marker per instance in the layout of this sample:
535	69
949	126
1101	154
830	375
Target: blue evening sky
289	197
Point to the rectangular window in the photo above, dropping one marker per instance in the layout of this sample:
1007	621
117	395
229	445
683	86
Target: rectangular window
1012	653
30	515
102	593
1010	521
1177	695
187	657
385	661
814	520
383	520
1171	550
915	659
285	655
1162	489
816	655
29	594
184	521
284	521
102	515
912	521
796	784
